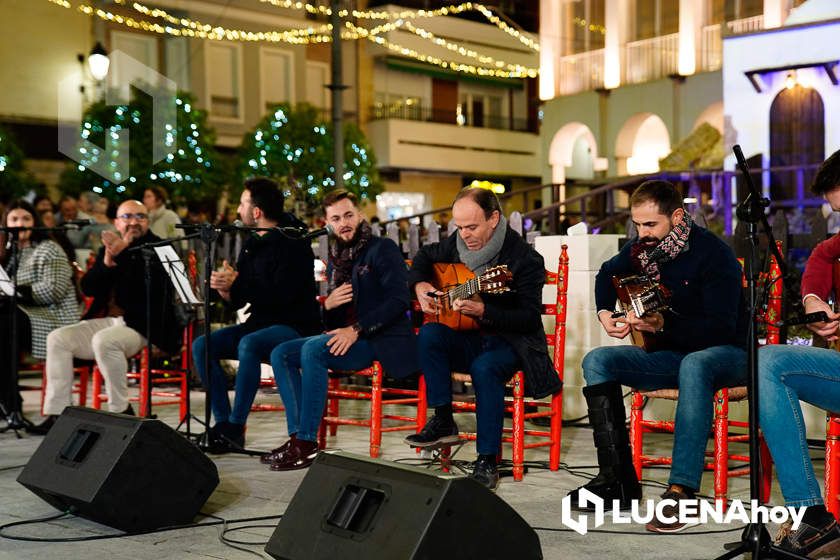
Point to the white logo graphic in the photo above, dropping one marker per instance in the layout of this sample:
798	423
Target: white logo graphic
111	161
689	512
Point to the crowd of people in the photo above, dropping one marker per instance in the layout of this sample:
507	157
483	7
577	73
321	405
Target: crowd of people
700	339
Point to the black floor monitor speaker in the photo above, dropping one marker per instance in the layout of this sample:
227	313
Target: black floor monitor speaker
129	473
354	507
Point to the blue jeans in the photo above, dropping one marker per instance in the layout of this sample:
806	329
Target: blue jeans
698	375
300	369
786	375
489	360
251	349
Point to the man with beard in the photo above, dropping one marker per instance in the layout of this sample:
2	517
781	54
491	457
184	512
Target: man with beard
700	344
114	328
366	317
510	335
274	273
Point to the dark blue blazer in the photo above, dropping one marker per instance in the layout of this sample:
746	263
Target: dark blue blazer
381	297
707	299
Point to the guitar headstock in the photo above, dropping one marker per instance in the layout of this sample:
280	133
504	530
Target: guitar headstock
495	280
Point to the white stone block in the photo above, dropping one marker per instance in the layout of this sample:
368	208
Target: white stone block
586	252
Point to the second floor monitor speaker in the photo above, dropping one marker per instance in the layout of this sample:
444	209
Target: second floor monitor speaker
133	474
355	507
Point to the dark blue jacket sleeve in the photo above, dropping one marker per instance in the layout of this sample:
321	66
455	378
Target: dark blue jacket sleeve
605	295
394	300
720	292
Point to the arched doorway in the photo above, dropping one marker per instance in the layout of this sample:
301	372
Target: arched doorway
641	143
797	137
572	153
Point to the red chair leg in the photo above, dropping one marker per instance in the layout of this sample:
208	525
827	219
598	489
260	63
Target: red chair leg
322	434
185	395
376	410
333	404
83	385
422	403
97	388
766	469
636	417
556	427
721	456
518	426
832	465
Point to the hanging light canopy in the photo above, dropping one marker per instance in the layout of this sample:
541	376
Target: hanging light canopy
98	62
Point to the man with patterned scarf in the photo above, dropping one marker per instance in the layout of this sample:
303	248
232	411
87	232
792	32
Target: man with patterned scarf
700	344
366	318
510	335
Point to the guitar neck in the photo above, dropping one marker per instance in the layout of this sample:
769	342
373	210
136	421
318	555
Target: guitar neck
463	291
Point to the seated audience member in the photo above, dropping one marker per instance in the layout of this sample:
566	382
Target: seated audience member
162	220
45	290
114	328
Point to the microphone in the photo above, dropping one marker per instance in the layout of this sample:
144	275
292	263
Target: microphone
301	233
815	317
77	224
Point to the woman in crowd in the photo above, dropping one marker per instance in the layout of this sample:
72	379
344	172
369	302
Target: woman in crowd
162	220
47	298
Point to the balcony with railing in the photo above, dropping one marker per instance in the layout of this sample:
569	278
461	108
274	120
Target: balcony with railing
416	112
416	137
745	25
651	59
581	72
711	49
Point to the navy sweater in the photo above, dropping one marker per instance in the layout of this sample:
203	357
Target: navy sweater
707	299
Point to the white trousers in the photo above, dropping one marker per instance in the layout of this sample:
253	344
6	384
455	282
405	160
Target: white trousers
108	341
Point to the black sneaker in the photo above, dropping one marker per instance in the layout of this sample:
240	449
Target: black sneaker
436	432
671	511
810	541
486	473
44	427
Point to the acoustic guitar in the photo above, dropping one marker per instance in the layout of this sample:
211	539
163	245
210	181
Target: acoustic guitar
456	281
643	296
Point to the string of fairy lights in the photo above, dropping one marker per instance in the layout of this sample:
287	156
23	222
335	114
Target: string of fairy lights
164	23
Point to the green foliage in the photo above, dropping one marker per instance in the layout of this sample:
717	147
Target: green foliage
294	146
193	170
14	180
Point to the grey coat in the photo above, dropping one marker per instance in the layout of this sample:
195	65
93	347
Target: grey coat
45	268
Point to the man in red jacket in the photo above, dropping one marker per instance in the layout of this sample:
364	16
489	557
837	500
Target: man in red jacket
788	374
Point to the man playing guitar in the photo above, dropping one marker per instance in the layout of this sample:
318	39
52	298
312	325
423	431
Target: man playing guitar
790	373
510	333
699	343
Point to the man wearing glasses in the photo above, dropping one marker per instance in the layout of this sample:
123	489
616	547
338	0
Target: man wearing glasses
114	327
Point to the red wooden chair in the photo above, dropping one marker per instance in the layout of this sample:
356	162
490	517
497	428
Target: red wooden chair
722	425
518	405
175	370
380	397
832	464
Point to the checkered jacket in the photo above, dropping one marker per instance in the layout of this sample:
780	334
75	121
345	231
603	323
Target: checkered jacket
45	268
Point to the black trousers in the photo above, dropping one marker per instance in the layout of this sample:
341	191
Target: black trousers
9	393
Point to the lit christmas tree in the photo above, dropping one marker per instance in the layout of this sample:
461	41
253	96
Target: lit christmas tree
14	180
295	147
191	170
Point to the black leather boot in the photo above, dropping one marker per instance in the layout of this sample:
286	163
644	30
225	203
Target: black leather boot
616	479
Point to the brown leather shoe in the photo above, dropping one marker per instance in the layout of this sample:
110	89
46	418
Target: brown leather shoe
300	455
277	453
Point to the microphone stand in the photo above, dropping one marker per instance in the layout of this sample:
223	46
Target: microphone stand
755	539
148	250
209	233
15	420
